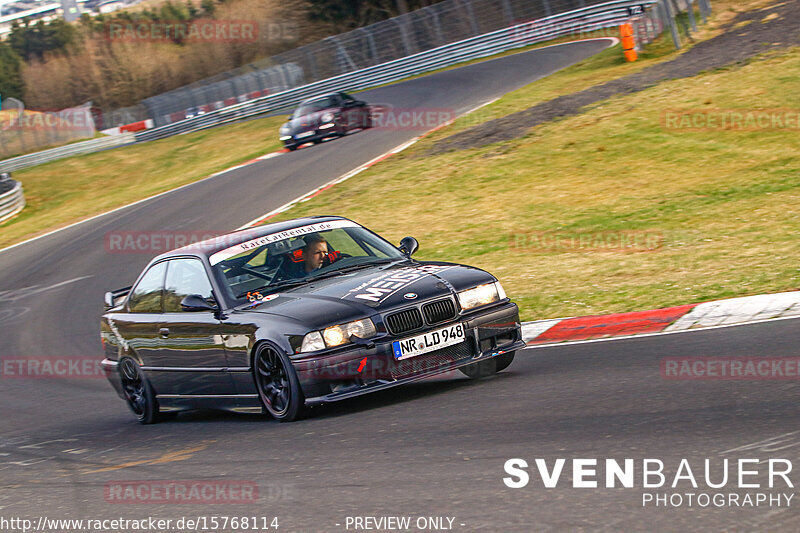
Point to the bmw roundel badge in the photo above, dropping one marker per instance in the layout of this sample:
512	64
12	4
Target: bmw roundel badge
410	295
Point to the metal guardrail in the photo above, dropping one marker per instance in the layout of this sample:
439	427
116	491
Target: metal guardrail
11	202
581	20
69	150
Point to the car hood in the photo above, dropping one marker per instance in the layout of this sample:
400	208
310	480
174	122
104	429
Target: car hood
368	292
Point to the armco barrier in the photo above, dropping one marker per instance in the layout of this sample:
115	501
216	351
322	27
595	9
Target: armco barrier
69	150
11	202
581	20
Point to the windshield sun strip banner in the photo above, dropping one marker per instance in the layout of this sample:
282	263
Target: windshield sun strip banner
222	255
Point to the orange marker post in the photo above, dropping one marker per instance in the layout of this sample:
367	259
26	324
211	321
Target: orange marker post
628	42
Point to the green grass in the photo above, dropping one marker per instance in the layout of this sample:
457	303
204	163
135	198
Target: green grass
725	203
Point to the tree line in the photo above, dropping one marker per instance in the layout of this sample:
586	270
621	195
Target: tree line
56	64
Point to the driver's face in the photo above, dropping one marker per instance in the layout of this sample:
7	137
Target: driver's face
314	255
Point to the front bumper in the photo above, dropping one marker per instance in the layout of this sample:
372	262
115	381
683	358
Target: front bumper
318	135
359	370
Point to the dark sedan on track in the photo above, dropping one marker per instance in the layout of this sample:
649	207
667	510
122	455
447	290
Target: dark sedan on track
288	315
325	116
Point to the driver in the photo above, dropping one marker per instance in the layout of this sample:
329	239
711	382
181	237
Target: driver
314	256
314	252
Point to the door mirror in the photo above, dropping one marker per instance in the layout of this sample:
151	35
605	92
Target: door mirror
195	302
408	246
108	299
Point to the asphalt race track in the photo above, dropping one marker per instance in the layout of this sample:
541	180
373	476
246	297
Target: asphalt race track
432	449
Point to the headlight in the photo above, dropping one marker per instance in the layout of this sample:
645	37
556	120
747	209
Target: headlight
327	117
312	342
337	335
481	295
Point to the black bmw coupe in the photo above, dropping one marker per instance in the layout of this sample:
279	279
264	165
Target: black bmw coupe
288	315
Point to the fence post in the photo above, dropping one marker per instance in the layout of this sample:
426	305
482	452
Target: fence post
673	29
509	12
705	9
312	62
404	35
690	10
437	26
547	11
473	23
683	22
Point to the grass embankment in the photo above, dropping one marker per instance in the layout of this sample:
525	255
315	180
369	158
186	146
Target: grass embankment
724	205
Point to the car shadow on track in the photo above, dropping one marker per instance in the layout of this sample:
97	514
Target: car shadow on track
413	391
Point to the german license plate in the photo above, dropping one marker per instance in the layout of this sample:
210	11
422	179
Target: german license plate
428	342
304	134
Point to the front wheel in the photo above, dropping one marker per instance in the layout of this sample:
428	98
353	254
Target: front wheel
489	367
277	384
138	392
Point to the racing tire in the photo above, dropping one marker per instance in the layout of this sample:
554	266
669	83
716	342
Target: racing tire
489	367
139	393
277	384
291	147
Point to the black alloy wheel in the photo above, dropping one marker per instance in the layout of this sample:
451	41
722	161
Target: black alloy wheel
277	384
138	392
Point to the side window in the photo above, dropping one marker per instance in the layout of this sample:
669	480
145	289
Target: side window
185	277
146	297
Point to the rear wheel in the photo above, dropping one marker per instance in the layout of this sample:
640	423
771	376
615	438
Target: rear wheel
483	369
138	392
277	384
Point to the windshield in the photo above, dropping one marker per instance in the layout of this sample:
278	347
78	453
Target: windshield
306	108
276	265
